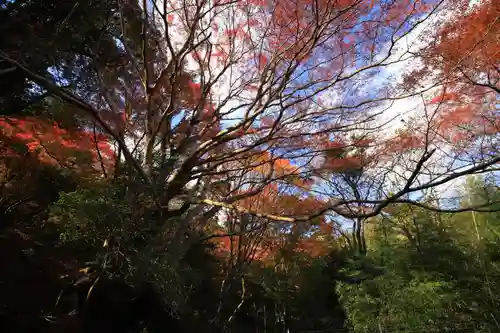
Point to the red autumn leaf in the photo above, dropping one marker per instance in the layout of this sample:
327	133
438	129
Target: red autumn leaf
443	98
33	145
24	136
54	145
262	61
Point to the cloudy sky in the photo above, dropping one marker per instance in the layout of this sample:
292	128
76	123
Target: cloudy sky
233	84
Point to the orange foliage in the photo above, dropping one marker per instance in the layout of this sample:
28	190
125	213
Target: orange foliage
227	245
313	247
265	163
273	201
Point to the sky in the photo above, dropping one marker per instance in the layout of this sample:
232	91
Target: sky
394	117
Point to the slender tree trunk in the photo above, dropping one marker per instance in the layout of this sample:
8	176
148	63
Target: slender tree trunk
363	239
238	307
355	245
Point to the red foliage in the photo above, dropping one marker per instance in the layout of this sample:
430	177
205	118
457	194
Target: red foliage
470	41
342	164
326	228
196	56
403	141
445	97
196	88
365	142
262	61
334	145
256	2
55	145
465	52
221	55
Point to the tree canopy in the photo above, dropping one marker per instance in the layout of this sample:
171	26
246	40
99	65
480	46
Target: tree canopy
249	166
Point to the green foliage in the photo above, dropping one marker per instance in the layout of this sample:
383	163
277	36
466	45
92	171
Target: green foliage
90	215
391	303
440	272
38	39
119	238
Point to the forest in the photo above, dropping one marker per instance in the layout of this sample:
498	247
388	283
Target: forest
250	166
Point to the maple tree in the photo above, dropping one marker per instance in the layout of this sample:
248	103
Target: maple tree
461	57
51	144
261	98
